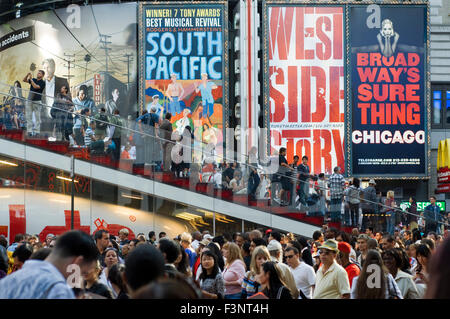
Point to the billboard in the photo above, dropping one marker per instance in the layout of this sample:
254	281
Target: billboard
305	48
388	63
73	45
183	64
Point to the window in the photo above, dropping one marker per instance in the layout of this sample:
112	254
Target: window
440	103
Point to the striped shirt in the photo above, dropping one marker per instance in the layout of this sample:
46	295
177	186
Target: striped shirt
87	136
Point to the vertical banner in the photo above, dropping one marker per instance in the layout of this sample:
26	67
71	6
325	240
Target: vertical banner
306	83
183	66
388	91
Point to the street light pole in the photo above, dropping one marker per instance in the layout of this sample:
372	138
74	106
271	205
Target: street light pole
72	175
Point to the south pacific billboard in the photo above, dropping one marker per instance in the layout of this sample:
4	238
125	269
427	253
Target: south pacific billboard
183	66
388	63
306	83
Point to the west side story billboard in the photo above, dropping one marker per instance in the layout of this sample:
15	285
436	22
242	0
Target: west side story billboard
183	51
348	85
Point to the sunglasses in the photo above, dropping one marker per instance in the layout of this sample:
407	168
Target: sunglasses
289	256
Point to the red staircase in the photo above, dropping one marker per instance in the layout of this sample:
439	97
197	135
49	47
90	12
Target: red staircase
167	178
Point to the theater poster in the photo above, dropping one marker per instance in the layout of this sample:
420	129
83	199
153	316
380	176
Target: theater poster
389	97
305	82
183	58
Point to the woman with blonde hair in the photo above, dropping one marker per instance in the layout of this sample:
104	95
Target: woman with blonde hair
250	284
234	271
390	212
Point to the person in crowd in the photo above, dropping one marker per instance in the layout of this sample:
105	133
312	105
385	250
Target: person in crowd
169	288
132	244
331	278
405	282
144	264
284	171
385	289
270	279
276	255
123	236
303	180
40	254
61	112
336	184
390	212
362	246
93	285
211	280
183	262
421	277
115	277
165	133
197	236
305	250
171	253
32	105
322	191
304	274
186	240
351	268
83	101
246	254
215	248
115	132
433	217
152	237
89	135
369	205
234	271
412	215
101	125
111	258
387	242
352	195
101	238
48	279
250	284
439	273
20	255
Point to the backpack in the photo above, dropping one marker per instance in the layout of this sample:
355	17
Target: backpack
102	125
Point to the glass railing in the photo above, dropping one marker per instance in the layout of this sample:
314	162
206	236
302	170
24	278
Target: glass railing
178	156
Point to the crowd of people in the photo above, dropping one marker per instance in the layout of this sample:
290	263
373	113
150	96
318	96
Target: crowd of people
254	265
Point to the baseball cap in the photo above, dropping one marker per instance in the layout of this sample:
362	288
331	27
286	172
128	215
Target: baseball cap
269	231
330	244
208	237
372	181
344	247
274	246
205	242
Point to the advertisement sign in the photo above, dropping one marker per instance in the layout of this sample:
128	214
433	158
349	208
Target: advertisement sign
306	83
183	66
422	205
16	37
389	125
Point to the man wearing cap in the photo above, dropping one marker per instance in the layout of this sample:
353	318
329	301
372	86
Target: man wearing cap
174	92
344	260
369	205
331	278
276	250
155	104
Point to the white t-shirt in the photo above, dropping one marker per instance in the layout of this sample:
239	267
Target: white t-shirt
305	278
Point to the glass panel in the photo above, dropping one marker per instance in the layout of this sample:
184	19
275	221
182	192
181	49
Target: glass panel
448	111
437	95
448	95
436	112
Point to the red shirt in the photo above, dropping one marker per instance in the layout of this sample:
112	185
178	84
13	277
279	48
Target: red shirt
352	271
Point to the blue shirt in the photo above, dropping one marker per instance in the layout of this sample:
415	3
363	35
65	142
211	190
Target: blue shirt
192	257
432	213
149	118
33	282
206	92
